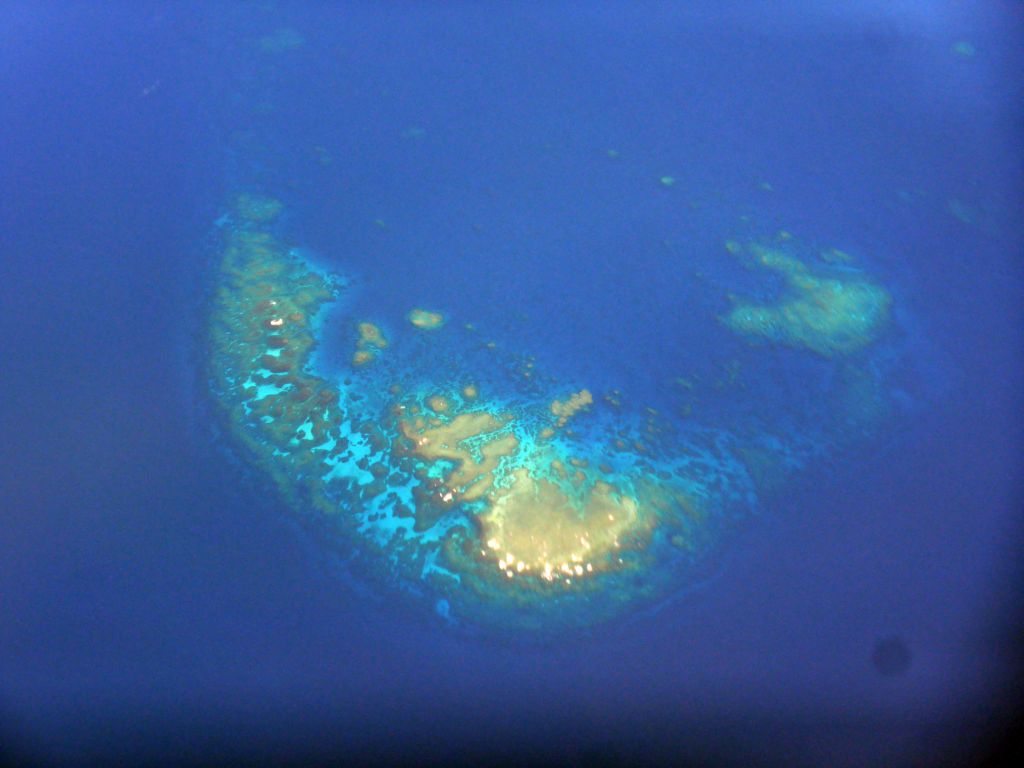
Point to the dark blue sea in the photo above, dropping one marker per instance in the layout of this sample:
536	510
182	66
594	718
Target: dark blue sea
562	178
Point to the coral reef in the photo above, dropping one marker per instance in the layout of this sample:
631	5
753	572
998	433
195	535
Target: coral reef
371	341
493	506
257	208
533	528
426	320
565	410
474	442
832	316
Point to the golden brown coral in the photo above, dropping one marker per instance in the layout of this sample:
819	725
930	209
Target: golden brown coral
533	527
567	409
827	315
425	319
472	476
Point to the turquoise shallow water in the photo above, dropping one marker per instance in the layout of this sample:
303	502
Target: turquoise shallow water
813	507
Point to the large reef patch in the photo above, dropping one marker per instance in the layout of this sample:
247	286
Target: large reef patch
524	509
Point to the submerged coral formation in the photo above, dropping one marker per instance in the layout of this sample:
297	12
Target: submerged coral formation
457	469
567	409
257	208
371	341
261	340
472	442
425	319
829	315
491	505
462	496
535	528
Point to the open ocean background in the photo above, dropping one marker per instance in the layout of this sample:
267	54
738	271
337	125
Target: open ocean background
155	606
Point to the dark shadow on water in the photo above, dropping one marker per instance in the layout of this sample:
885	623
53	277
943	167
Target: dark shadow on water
891	656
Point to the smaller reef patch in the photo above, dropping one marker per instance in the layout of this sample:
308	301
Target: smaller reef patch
829	315
371	341
565	410
426	320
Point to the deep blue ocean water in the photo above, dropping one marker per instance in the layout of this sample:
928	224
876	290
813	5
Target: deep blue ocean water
157	604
